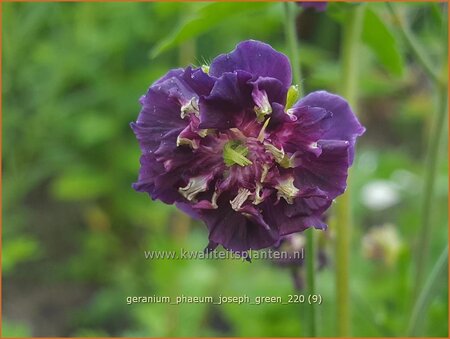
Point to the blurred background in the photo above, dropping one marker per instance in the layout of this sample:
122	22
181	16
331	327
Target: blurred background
74	232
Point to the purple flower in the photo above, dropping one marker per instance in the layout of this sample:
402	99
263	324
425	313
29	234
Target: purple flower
224	144
319	6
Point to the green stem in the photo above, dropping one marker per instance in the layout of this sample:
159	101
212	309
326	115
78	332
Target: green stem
427	293
293	44
429	184
352	30
415	47
311	280
292	41
343	235
350	59
440	84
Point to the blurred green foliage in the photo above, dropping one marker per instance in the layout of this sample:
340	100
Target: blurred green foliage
74	231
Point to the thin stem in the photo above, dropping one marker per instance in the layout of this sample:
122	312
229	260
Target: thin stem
311	279
292	42
415	47
352	30
350	71
298	283
427	293
433	144
429	184
343	235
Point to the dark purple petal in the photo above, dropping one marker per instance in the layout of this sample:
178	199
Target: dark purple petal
157	118
253	214
310	201
199	82
236	232
279	118
304	213
298	129
225	106
328	172
162	105
177	72
194	80
257	58
273	88
188	209
157	182
345	124
160	122
308	117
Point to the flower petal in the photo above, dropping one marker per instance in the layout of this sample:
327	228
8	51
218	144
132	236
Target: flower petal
279	117
157	182
226	106
298	130
257	58
237	232
163	102
302	214
274	89
188	209
328	171
345	125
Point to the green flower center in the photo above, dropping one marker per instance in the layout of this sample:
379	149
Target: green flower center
235	153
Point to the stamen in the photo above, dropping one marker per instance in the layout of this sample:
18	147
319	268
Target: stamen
287	190
290	113
195	186
214	200
205	69
258	197
262	107
203	132
280	157
264	173
190	107
240	198
278	154
194	144
263	131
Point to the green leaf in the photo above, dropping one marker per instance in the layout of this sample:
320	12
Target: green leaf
81	184
436	13
338	11
15	329
19	250
378	36
206	18
94	128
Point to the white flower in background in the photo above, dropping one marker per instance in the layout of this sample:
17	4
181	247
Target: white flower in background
380	194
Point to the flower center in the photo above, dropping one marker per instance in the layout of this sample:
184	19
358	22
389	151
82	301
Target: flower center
235	153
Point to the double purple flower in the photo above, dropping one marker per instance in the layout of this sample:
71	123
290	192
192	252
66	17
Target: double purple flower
229	145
